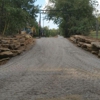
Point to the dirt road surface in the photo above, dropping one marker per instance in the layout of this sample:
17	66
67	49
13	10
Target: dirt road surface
54	69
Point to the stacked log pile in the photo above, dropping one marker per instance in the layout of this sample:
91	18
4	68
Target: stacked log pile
12	46
90	44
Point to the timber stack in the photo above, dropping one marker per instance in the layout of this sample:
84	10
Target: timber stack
13	46
90	44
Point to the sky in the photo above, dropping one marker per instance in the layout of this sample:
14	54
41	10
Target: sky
44	22
99	5
50	24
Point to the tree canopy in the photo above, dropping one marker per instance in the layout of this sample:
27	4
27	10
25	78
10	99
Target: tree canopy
16	14
72	16
50	32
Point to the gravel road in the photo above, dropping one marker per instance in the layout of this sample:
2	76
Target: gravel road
54	69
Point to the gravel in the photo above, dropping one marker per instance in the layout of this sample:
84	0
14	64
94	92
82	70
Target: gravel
54	69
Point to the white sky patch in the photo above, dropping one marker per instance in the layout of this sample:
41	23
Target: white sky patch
46	3
97	9
44	23
99	3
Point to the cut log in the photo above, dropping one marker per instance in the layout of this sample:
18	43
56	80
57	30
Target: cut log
88	47
95	52
99	54
96	44
4	49
89	40
22	44
79	38
14	46
78	45
5	41
22	48
5	45
14	41
18	36
22	40
27	36
87	43
6	54
4	59
16	51
84	45
73	39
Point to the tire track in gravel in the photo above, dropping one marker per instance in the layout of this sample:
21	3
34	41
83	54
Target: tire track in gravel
54	69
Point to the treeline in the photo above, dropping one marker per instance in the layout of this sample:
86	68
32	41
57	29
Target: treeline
16	14
72	16
49	32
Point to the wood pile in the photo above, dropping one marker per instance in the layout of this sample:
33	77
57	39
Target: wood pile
15	45
90	44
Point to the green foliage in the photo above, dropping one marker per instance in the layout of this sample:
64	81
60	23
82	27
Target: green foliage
16	14
93	34
99	21
54	32
46	31
73	17
50	32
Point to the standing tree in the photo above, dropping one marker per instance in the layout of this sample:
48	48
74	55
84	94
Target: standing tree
72	16
15	14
